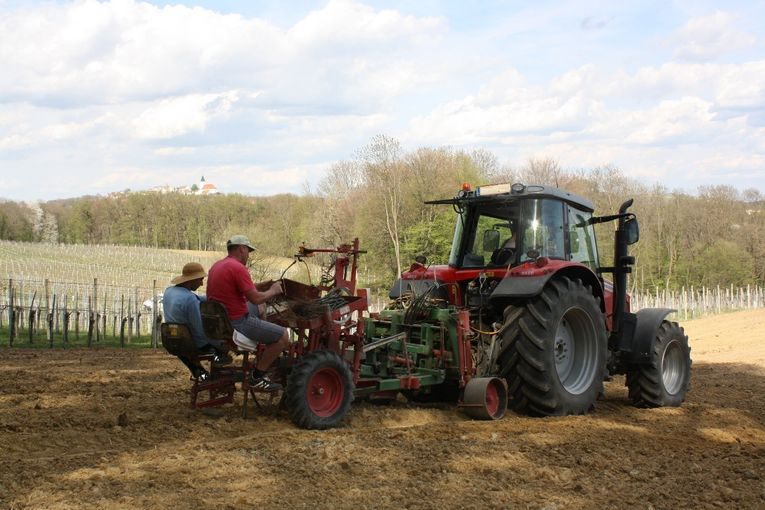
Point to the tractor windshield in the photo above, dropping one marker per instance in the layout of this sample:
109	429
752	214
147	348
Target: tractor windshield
542	229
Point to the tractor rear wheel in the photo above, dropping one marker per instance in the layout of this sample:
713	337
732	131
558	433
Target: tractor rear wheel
554	350
665	379
319	390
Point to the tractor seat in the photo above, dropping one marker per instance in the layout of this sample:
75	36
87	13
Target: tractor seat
502	255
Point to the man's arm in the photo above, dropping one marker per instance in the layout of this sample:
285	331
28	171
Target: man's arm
194	315
257	297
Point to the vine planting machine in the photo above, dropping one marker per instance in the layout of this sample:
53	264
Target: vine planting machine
520	317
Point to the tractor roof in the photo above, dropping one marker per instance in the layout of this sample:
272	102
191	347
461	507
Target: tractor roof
512	192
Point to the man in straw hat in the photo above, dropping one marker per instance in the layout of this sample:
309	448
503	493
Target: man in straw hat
181	306
230	283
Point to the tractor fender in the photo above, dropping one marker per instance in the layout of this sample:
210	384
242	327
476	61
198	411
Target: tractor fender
648	323
514	287
520	286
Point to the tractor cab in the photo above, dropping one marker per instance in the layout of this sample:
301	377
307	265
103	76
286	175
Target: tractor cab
526	232
501	226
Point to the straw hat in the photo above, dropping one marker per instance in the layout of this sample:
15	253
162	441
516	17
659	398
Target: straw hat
191	271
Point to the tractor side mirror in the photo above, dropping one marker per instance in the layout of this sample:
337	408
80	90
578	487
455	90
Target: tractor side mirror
631	230
490	240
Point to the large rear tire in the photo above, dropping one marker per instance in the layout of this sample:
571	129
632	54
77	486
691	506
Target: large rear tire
554	350
319	390
665	380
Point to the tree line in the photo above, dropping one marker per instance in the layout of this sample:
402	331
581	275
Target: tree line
715	236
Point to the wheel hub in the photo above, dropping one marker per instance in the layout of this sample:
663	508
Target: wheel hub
575	351
672	368
564	355
325	392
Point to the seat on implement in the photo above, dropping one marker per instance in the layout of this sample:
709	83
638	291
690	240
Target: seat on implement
217	325
176	338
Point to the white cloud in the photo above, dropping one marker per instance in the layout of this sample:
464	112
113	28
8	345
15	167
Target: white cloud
14	142
657	122
708	37
349	23
121	51
670	122
122	94
742	86
174	151
179	115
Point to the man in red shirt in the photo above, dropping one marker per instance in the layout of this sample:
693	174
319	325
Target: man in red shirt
229	283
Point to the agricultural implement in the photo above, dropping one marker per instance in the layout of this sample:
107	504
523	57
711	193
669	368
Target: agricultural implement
520	317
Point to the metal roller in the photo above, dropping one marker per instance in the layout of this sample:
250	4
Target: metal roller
485	398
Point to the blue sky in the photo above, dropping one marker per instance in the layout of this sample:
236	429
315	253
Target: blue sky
261	97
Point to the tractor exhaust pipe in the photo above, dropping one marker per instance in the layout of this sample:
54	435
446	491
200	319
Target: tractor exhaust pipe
622	266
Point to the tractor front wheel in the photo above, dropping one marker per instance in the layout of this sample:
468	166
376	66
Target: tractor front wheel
665	379
553	350
319	390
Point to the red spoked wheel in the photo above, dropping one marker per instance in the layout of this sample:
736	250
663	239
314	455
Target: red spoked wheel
485	398
325	392
319	390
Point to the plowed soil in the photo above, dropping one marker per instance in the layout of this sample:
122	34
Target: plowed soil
111	429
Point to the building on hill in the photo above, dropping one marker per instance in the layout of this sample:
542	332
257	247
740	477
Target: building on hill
206	188
200	188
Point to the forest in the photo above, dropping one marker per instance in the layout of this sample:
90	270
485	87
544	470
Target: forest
712	236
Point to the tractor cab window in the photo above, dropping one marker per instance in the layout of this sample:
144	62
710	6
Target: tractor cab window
582	238
541	229
492	237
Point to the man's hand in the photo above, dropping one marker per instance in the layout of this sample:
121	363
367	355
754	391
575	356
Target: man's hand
262	293
276	289
264	286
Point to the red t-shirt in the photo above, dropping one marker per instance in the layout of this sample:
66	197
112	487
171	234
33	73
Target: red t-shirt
227	283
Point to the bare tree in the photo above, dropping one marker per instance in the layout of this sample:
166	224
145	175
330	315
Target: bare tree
543	171
383	172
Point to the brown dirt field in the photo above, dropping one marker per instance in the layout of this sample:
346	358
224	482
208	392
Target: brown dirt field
62	446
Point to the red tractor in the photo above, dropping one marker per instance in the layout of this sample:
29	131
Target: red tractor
521	316
524	263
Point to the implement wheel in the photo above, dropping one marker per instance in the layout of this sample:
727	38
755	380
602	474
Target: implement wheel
485	398
665	380
319	390
554	350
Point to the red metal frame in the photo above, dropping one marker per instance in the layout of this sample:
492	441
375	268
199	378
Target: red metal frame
463	344
347	254
337	330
